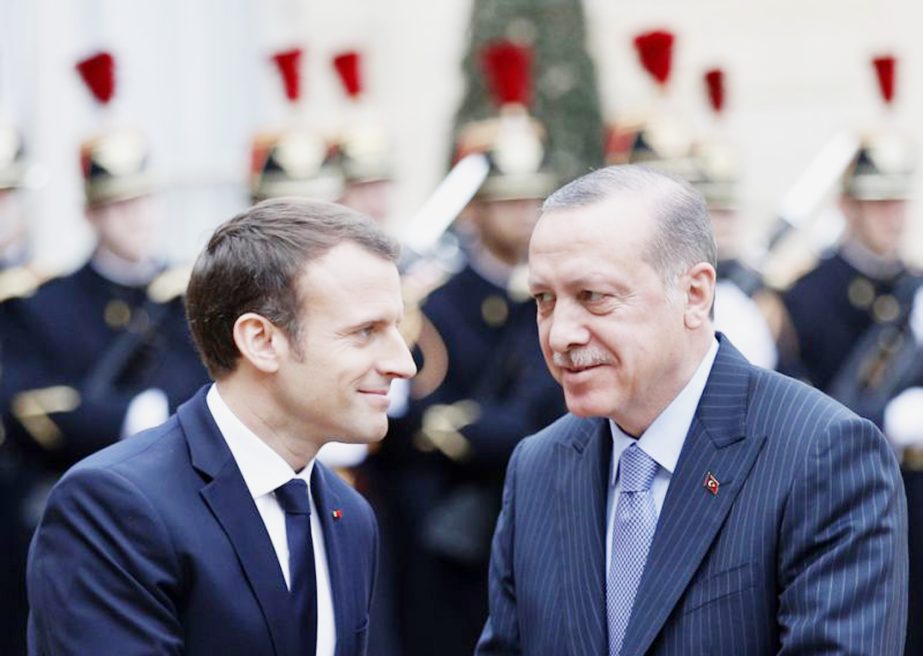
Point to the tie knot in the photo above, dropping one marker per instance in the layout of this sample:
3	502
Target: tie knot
636	470
293	497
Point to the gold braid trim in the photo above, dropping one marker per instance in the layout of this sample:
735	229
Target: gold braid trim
32	408
442	425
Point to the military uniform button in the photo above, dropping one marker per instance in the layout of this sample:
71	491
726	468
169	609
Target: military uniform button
117	314
861	293
886	309
495	311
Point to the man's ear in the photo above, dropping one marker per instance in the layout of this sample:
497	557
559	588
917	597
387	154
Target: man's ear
700	294
260	342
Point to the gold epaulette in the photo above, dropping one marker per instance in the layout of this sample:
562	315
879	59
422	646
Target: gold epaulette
170	284
19	282
33	407
912	458
441	429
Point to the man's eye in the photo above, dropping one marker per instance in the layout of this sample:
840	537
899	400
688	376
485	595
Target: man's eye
588	296
542	298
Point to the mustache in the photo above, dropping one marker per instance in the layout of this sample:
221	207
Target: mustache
579	358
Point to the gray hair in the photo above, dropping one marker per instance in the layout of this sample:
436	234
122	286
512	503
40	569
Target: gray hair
684	236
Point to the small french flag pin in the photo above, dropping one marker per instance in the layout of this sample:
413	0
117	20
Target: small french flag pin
337	514
711	483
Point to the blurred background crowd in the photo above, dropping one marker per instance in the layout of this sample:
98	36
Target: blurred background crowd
128	131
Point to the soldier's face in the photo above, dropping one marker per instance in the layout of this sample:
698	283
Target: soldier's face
505	226
878	224
334	383
128	228
371	198
612	334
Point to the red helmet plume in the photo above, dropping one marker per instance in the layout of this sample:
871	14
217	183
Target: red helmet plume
655	50
288	63
98	73
507	66
884	69
348	66
714	84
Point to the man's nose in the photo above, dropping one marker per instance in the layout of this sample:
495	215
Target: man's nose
566	328
399	362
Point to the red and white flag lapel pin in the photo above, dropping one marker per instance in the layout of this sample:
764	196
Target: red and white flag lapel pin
337	514
711	483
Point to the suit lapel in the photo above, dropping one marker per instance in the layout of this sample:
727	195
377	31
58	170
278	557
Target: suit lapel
340	551
692	515
230	501
581	521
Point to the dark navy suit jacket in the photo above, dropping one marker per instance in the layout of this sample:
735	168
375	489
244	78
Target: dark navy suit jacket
802	550
155	546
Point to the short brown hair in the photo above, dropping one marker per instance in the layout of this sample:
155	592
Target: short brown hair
252	263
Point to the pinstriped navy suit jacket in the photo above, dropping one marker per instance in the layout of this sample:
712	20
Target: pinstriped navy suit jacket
801	551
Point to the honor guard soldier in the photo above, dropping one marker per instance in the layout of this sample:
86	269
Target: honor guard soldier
104	352
658	137
482	386
862	284
17	279
853	316
739	293
364	146
654	136
295	159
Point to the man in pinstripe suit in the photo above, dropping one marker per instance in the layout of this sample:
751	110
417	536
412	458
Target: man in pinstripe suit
766	518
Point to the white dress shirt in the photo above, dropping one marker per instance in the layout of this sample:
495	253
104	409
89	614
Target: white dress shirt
662	441
263	471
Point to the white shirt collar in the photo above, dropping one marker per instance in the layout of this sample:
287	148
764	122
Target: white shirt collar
664	438
263	469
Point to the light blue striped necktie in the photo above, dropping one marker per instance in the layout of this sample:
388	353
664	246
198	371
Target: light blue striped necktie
632	532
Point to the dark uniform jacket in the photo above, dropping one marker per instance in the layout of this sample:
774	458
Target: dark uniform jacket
440	469
78	351
73	354
854	343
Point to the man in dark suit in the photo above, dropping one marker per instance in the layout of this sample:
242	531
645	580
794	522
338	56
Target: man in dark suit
690	503
217	532
91	356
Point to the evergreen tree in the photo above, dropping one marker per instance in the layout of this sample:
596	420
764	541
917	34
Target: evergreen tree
565	96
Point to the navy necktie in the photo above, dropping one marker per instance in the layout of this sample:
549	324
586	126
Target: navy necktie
632	532
293	497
